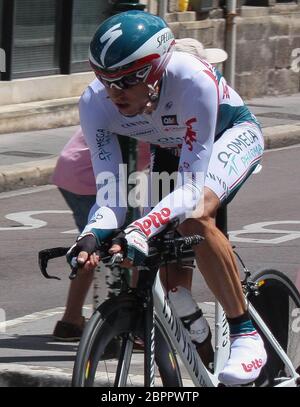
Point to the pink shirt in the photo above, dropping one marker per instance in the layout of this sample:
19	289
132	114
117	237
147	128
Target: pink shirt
73	171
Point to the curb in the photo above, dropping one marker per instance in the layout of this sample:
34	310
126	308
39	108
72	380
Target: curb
281	136
39	115
39	172
16	375
26	174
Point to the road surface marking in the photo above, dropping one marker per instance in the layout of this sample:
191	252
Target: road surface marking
25	219
36	316
26	191
261	228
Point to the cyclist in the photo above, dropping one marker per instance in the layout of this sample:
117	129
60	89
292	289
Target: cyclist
79	192
184	105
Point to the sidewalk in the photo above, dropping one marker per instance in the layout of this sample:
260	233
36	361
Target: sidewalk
28	159
28	354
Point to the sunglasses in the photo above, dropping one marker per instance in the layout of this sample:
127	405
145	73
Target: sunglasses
126	81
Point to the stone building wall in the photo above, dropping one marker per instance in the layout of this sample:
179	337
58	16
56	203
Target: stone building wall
266	48
268	41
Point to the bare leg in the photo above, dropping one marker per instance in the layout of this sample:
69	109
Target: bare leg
77	293
217	265
215	258
216	261
78	289
173	275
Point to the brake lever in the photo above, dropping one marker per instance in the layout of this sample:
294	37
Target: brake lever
74	268
117	258
73	273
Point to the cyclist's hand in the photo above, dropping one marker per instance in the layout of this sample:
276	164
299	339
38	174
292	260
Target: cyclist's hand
83	253
134	242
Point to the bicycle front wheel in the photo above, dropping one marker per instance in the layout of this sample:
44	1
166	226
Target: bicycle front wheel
278	303
111	352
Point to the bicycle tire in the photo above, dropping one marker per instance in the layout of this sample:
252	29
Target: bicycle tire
121	317
277	299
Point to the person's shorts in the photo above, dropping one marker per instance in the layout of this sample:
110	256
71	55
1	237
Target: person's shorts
80	206
235	156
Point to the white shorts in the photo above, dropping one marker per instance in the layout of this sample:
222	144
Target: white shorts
234	157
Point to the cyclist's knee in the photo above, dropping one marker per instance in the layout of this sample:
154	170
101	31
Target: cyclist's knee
206	222
197	226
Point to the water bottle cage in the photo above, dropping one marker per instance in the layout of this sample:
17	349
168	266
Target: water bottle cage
189	319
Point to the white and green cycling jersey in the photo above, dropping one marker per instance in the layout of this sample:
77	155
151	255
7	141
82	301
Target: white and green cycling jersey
199	116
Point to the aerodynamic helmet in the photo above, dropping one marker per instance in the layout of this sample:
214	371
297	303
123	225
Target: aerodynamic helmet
135	45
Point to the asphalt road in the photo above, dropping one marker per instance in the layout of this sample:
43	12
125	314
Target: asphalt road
271	197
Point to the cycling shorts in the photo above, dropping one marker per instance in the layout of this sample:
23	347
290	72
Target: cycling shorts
235	156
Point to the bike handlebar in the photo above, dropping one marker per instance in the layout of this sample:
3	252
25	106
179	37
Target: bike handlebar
161	249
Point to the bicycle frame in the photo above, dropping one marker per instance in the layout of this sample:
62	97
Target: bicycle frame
180	339
289	382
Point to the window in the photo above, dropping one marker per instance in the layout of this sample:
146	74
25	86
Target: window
34	45
87	15
1	16
2	51
44	37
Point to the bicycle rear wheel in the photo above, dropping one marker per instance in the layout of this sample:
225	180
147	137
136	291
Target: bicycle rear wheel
120	321
278	303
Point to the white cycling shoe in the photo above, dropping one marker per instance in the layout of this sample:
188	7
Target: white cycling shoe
247	358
